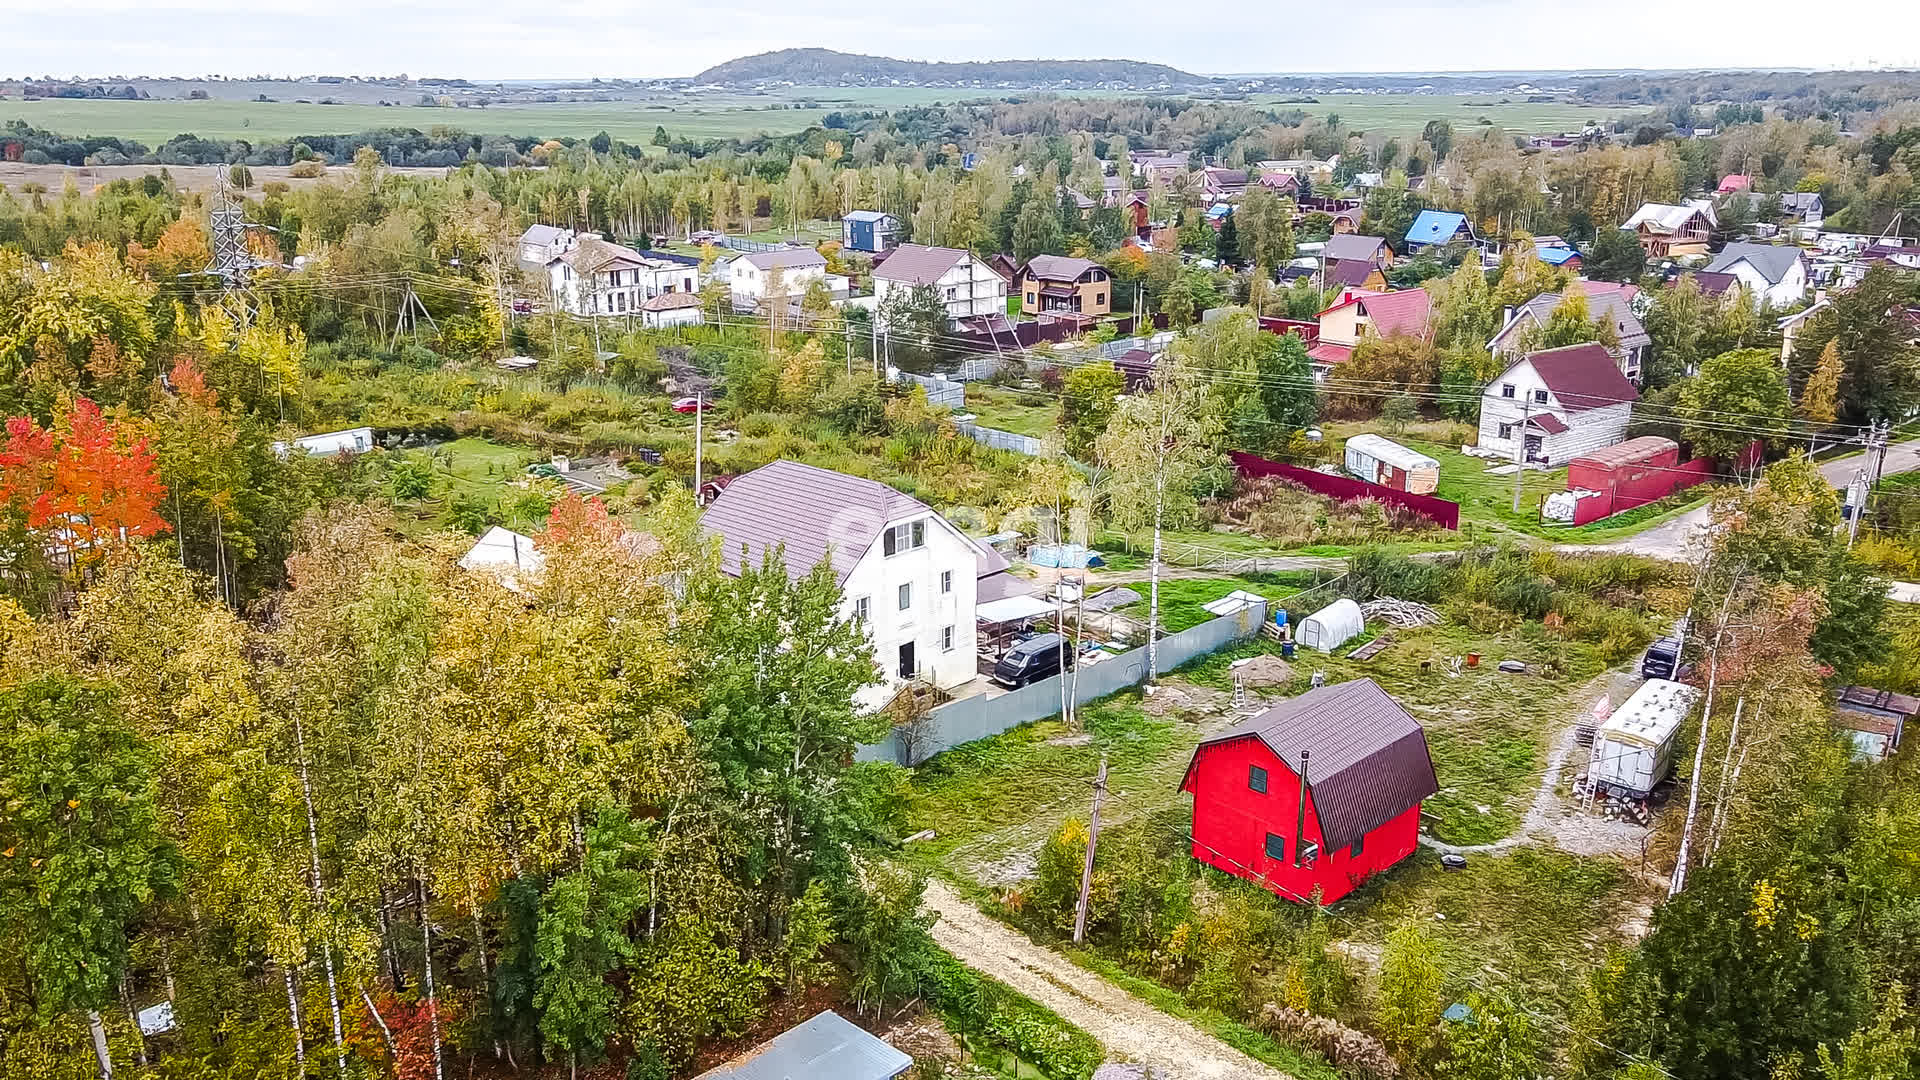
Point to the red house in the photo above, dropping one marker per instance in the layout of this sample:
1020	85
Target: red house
1367	769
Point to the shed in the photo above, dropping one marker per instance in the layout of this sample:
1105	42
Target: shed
1332	626
1874	720
1633	750
827	1047
1317	793
1379	460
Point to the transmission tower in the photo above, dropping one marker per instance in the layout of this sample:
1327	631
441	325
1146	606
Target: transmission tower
232	263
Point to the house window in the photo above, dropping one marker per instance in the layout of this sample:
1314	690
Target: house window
1257	779
906	596
1099	298
1276	847
904	538
1358	844
946	581
1540	397
1506	389
953	294
946	639
1506	431
862	608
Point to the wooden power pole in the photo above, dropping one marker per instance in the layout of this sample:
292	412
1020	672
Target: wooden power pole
1093	838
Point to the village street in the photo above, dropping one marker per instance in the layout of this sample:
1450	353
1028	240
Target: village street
1679	540
1130	1029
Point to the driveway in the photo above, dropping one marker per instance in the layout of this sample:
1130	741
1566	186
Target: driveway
1682	539
1130	1029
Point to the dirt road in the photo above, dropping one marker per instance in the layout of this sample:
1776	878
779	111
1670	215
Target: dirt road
1130	1029
1682	539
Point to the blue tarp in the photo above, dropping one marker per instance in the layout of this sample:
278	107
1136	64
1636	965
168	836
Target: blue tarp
1435	227
1070	556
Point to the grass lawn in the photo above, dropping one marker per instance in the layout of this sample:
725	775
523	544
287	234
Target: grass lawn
470	469
1021	412
1407	114
1487	499
1181	598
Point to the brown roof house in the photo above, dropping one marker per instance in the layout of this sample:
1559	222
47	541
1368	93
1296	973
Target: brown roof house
1556	405
1054	283
904	571
966	284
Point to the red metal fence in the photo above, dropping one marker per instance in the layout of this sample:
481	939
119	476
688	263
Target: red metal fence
1439	511
1636	485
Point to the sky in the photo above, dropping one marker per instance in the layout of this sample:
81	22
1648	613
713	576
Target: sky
488	39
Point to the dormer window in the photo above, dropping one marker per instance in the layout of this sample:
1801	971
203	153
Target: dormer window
903	538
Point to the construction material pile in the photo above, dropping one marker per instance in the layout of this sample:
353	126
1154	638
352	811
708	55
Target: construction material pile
1405	614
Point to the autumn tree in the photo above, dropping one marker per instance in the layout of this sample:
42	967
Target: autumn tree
1087	400
1380	366
1820	397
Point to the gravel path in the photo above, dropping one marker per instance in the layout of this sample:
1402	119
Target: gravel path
1130	1029
1551	818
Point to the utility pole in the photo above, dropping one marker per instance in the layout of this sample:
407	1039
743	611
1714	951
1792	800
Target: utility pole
1519	458
1086	870
1159	511
1856	503
699	411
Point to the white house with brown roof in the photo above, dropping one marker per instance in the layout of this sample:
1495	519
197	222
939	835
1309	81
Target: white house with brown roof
1558	403
905	573
598	277
966	285
672	309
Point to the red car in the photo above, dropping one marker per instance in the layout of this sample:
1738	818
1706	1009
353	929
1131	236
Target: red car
692	404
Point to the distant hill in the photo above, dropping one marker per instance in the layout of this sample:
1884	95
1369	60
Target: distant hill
827	67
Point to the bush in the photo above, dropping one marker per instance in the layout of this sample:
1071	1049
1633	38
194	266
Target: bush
986	1008
307	170
1355	1053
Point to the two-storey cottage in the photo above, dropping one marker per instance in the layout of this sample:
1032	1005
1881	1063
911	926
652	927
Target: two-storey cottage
905	574
1557	404
966	285
1607	302
1055	283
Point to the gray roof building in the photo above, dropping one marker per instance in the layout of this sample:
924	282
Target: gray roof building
1772	261
786	258
1343	246
827	1047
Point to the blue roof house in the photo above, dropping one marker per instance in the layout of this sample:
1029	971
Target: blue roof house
1557	255
1435	227
870	230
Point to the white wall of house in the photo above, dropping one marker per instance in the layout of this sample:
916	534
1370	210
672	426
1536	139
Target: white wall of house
970	288
1791	290
1502	417
937	621
687	316
618	288
749	282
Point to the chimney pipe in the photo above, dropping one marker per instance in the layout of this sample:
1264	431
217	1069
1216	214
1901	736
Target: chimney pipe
1300	825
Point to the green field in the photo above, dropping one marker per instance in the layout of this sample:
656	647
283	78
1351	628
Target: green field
705	115
1407	114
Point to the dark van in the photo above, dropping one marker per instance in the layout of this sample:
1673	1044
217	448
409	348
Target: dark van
1662	659
1036	658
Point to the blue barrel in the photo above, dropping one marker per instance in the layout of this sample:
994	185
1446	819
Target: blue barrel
1280	617
1286	649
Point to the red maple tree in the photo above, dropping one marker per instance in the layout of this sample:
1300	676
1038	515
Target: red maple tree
84	481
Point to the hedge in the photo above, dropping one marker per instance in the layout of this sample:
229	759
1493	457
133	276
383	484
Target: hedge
985	1007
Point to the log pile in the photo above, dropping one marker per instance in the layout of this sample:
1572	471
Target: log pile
1405	614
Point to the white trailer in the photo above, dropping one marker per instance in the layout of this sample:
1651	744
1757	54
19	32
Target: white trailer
1633	750
1382	461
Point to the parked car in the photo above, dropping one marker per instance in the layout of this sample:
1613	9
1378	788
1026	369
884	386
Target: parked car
1663	659
1039	657
692	404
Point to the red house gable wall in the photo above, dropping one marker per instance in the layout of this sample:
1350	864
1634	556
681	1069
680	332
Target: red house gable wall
1231	822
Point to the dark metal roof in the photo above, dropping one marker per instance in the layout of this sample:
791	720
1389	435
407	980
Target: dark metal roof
1367	757
1583	377
1352	246
1882	701
1548	423
1350	272
812	511
827	1047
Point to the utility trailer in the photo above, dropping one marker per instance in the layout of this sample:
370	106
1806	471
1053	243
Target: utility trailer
1633	750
